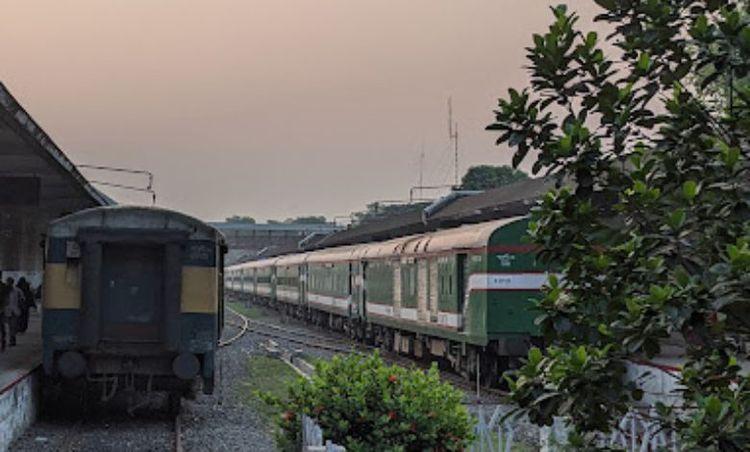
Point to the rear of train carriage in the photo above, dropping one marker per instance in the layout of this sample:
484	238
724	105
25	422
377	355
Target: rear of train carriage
133	298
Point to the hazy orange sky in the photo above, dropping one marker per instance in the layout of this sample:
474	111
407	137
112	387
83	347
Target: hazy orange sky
271	108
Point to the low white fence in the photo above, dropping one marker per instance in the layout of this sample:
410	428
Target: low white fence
637	432
494	433
312	438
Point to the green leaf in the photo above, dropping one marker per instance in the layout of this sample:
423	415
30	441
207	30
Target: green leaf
633	306
644	62
591	39
566	144
700	27
677	219
745	38
580	354
690	190
609	5
535	356
713	406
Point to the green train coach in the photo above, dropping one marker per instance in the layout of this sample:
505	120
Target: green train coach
462	295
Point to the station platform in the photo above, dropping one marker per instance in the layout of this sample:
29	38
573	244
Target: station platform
20	382
19	361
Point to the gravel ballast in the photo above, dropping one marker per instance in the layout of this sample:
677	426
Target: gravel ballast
223	421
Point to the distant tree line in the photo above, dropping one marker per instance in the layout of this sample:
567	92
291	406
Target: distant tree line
481	177
310	219
487	177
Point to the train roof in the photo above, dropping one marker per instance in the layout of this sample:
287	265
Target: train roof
465	237
382	249
291	259
338	254
133	217
254	264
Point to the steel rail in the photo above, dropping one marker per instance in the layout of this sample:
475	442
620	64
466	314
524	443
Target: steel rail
243	328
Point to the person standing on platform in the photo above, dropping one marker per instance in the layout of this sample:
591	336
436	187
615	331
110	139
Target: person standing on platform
13	301
28	301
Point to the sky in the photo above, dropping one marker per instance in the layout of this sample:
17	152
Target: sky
269	108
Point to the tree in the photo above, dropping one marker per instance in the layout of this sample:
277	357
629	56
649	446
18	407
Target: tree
241	219
486	177
311	219
651	228
364	404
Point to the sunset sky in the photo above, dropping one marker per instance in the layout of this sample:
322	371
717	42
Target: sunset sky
272	108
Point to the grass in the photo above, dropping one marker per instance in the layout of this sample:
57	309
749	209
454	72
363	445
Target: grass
311	359
266	375
252	312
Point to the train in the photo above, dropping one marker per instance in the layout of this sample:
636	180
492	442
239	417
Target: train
461	296
132	300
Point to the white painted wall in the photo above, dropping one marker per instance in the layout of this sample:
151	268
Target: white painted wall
18	409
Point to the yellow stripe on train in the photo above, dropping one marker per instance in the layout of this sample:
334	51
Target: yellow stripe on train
200	290
62	286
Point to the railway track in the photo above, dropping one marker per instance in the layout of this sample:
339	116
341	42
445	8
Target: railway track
177	434
243	327
346	345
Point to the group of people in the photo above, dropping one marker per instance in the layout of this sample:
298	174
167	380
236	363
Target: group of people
16	299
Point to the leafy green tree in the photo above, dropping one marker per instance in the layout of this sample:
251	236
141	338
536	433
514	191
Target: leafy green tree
651	229
241	219
364	404
486	177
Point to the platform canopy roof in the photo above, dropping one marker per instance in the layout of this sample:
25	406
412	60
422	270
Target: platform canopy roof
33	170
505	202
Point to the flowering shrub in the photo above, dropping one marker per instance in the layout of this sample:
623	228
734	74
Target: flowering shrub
364	404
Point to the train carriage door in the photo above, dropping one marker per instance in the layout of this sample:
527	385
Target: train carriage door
434	286
132	292
462	271
397	288
350	288
363	286
422	302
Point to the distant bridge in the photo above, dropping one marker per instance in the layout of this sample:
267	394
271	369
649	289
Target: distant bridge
249	241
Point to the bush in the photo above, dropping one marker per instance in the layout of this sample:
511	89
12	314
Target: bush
364	404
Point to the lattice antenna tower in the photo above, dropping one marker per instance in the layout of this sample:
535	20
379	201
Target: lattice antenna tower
453	139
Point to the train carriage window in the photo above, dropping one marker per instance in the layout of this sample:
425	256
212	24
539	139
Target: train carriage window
349	280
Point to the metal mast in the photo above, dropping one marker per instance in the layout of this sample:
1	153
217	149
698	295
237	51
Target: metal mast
453	138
